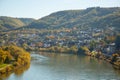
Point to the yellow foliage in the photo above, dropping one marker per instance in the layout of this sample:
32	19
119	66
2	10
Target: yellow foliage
85	48
117	55
14	53
111	38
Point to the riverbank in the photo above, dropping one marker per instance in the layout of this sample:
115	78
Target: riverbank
112	59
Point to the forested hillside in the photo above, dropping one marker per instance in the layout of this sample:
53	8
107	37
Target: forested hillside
26	21
90	17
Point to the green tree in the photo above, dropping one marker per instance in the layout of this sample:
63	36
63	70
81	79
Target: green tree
117	43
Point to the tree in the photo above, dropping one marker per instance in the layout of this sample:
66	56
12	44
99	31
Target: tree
14	54
92	45
73	49
117	43
81	51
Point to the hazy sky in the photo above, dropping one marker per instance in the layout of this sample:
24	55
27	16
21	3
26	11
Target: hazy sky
40	8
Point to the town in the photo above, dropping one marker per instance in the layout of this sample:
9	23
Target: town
97	39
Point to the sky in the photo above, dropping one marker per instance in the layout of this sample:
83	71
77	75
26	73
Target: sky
40	8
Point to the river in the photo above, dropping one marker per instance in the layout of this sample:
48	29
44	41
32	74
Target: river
56	66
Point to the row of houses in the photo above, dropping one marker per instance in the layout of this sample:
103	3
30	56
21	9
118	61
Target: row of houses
69	37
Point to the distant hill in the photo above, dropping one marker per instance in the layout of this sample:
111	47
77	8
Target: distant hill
90	17
8	23
26	21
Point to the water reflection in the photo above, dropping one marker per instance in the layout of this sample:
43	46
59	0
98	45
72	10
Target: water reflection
4	75
18	72
21	70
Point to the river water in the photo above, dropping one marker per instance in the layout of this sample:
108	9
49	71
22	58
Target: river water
56	66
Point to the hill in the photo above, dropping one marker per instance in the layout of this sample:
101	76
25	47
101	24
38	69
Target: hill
90	17
26	21
8	23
